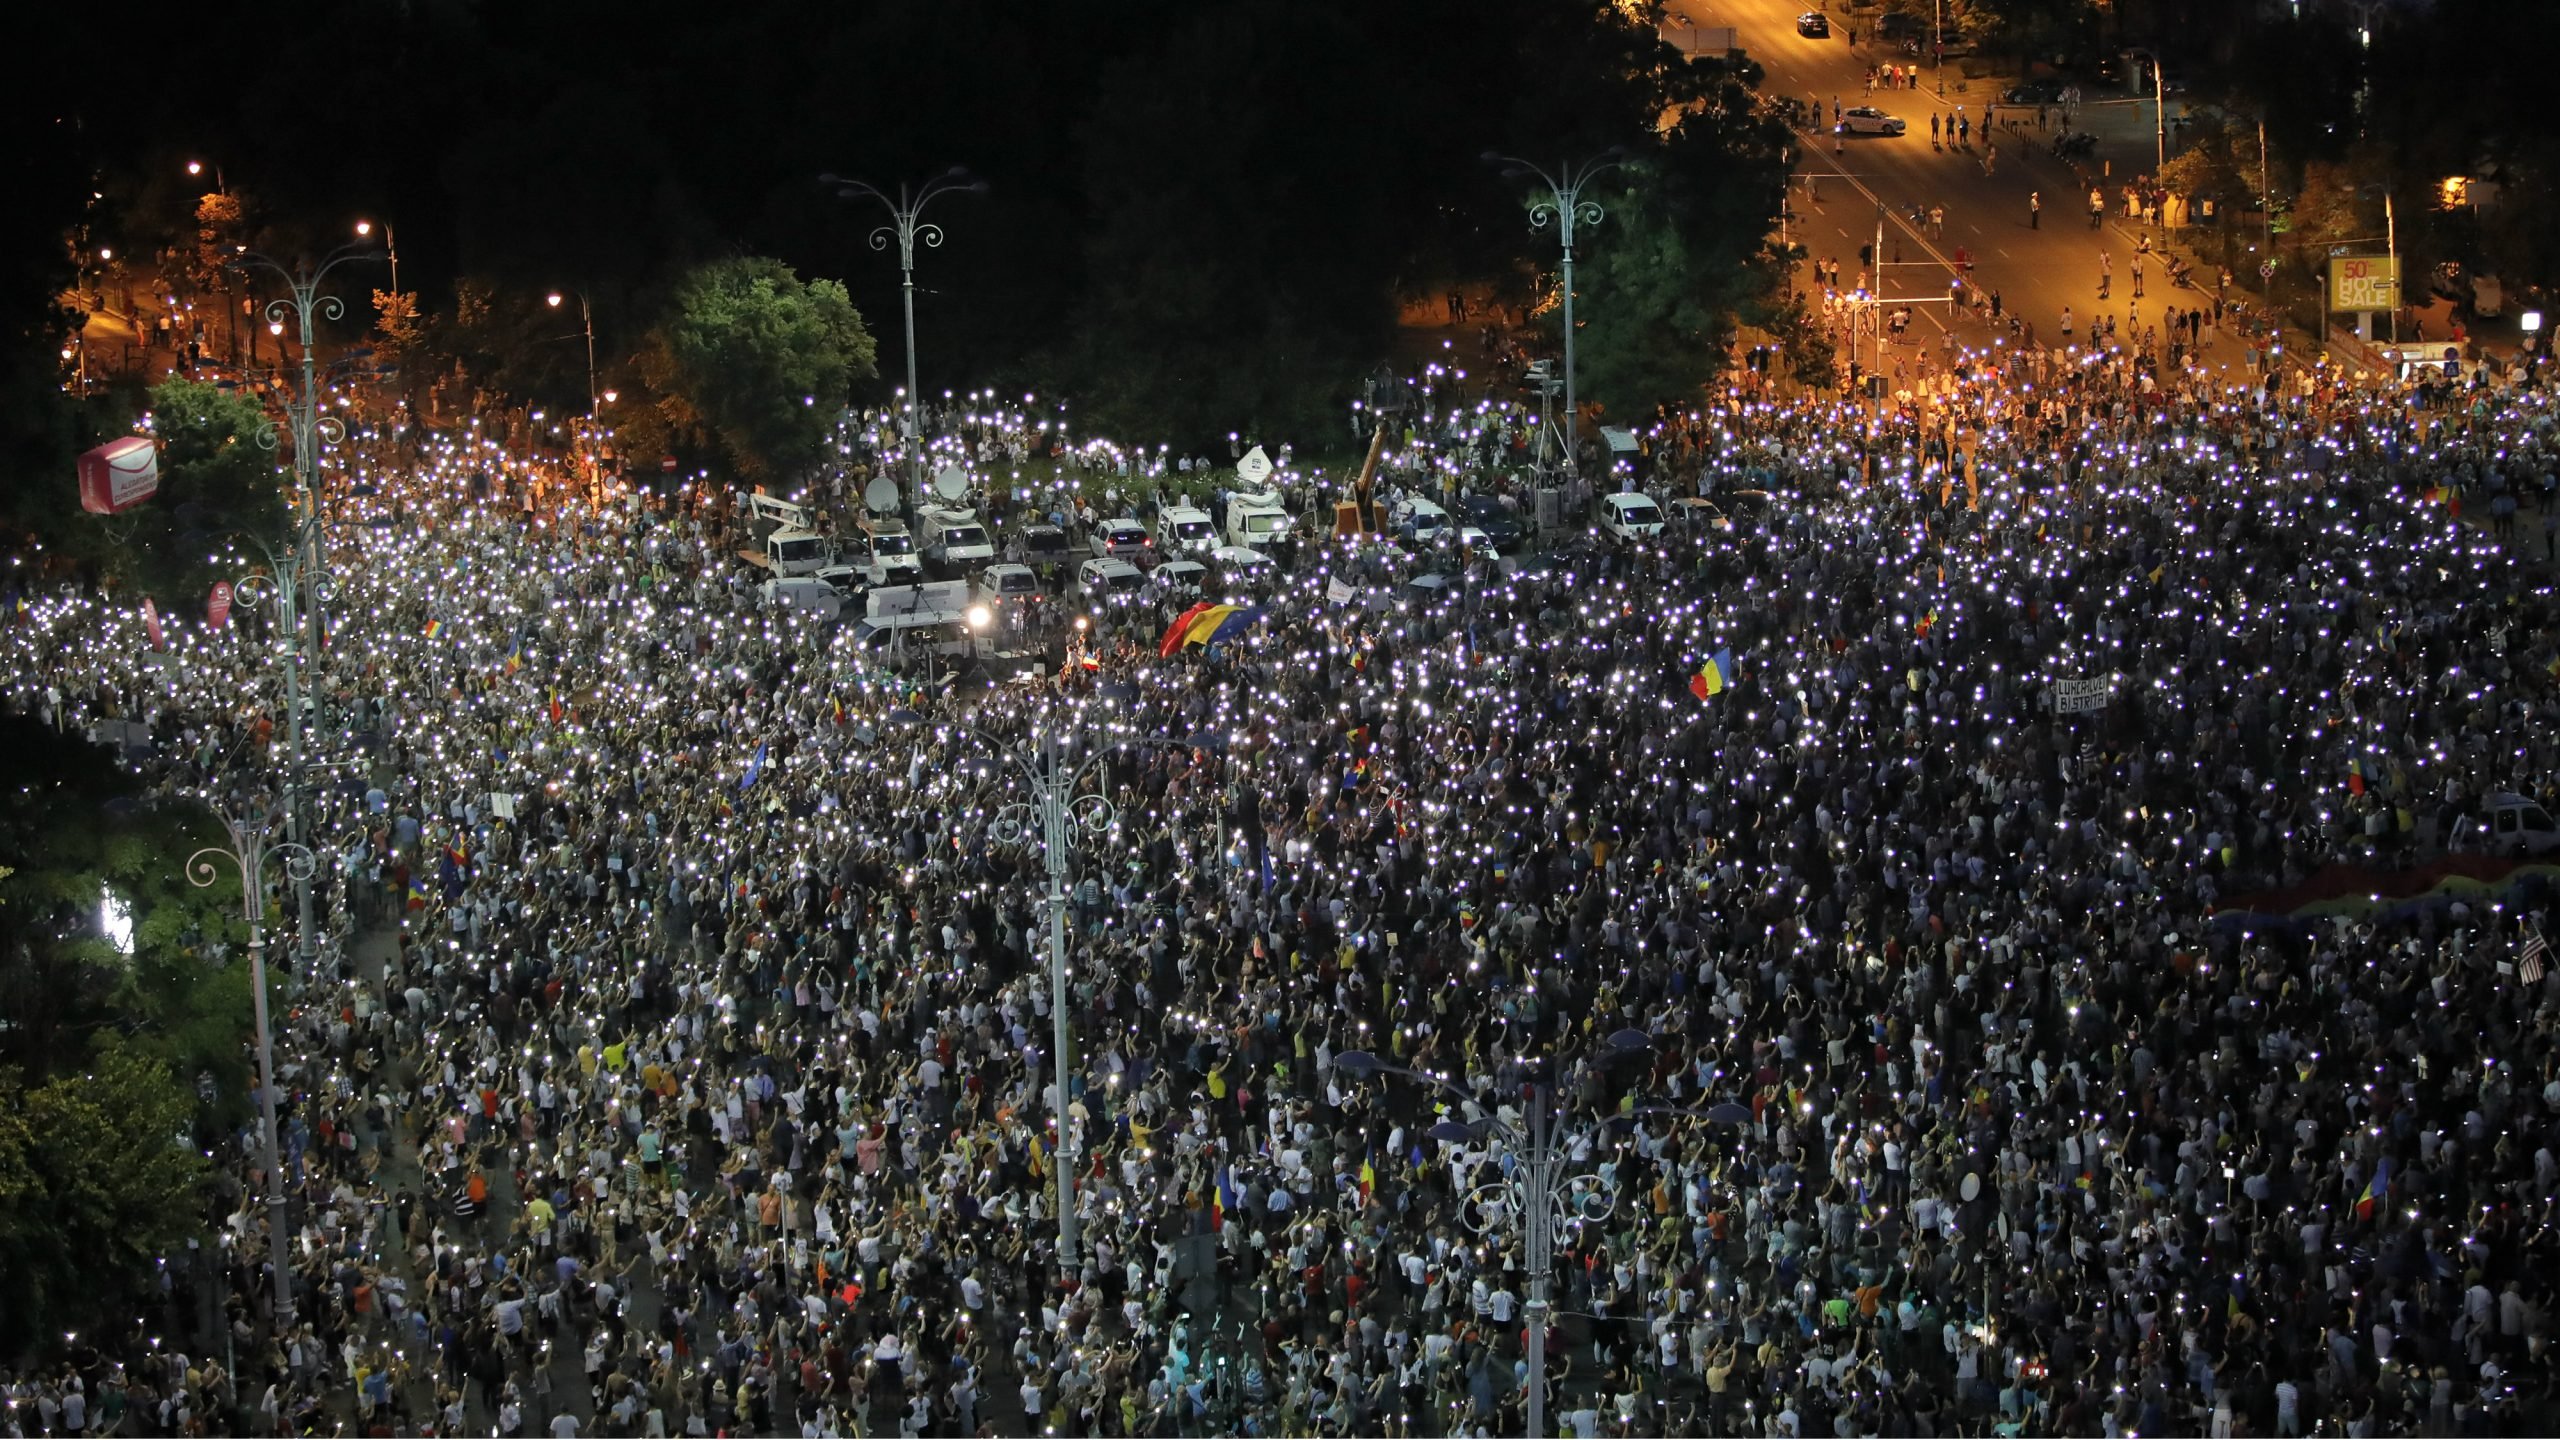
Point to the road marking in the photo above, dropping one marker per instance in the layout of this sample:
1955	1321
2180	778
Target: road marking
2003	253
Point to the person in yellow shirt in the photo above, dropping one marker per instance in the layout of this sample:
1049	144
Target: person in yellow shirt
538	1215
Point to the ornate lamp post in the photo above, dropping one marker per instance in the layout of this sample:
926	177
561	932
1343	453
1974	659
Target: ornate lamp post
303	302
1564	206
248	852
1542	1190
907	227
1065	810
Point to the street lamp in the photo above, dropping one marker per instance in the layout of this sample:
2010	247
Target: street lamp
1565	206
1541	1190
391	246
1066	809
248	852
196	167
587	319
906	227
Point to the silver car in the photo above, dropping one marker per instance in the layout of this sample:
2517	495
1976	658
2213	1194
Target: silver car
1868	120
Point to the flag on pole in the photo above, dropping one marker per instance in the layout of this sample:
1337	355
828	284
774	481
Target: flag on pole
2355	776
1713	677
2377	1191
2529	965
515	658
755	769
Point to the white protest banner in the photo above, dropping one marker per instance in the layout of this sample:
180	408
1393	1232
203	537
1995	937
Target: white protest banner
1338	591
2074	697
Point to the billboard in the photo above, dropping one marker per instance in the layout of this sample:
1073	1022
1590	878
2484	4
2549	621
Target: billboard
119	475
2364	282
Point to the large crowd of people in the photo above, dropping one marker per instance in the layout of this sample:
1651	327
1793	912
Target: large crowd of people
680	1061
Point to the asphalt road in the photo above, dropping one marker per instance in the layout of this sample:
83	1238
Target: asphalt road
2038	266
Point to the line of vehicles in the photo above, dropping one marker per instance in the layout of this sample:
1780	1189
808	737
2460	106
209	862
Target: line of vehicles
922	585
945	588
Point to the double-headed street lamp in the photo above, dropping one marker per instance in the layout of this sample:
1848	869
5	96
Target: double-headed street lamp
1564	205
1066	810
304	302
248	852
1543	1188
907	226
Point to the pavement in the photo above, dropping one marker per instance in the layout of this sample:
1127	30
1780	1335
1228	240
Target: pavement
2039	264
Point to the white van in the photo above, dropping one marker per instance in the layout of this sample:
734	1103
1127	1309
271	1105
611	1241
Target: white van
1630	515
954	538
1182	530
893	553
805	594
1000	583
883	637
1257	521
2507	824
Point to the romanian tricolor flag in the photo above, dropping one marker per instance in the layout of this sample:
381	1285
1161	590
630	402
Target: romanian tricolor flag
1714	677
417	893
2377	1191
434	628
1179	632
515	658
2355	776
1927	622
838	703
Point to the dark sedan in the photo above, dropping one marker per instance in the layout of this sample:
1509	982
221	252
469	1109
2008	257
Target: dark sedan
1814	25
1495	519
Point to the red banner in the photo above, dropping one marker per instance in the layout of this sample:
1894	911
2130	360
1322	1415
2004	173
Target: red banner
217	612
151	623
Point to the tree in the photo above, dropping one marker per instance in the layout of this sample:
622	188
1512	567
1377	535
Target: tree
751	358
1679	258
219	463
99	1169
98	1176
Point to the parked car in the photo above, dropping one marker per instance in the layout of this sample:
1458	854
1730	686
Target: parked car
1868	120
1814	25
1418	521
1044	548
2034	92
1122	539
1103	578
1179	578
1501	528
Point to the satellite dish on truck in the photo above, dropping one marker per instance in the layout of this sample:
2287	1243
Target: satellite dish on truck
881	495
1254	468
951	482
